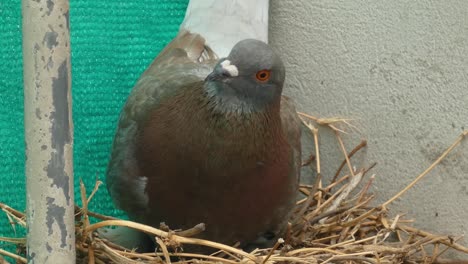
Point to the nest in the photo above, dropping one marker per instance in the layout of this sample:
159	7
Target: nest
335	223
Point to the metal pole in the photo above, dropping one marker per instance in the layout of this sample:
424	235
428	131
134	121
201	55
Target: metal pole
48	132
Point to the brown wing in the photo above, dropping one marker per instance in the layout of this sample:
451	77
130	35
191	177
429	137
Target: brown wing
291	124
184	61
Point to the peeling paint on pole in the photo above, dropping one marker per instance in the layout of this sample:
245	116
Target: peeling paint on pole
48	132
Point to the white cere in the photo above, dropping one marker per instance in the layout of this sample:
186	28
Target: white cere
230	68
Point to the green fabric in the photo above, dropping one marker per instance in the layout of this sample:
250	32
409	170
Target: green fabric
112	43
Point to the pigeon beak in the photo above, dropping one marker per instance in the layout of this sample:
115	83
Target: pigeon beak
222	71
213	76
228	68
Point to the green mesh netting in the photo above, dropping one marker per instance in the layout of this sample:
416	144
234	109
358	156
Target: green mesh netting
112	43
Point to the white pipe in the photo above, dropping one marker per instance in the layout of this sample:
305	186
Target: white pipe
48	132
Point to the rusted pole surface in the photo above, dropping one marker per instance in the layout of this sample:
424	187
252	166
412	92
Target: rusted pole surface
48	131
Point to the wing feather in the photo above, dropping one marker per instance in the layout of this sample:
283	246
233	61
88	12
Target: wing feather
183	61
291	124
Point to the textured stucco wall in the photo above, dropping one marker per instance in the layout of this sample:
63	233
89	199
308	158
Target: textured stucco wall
400	68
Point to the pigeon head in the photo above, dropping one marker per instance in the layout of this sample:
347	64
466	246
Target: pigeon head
248	80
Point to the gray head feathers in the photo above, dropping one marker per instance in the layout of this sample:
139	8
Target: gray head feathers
248	80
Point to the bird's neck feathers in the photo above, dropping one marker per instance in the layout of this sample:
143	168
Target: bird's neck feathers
225	101
208	109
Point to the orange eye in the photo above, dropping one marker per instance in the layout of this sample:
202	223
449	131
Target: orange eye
263	75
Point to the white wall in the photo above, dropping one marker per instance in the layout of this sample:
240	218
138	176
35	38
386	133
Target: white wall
400	68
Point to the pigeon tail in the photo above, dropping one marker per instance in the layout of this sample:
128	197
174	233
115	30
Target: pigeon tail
224	23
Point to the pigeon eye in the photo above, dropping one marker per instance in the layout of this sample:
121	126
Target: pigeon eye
263	75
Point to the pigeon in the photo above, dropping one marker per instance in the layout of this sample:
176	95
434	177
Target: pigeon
204	138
